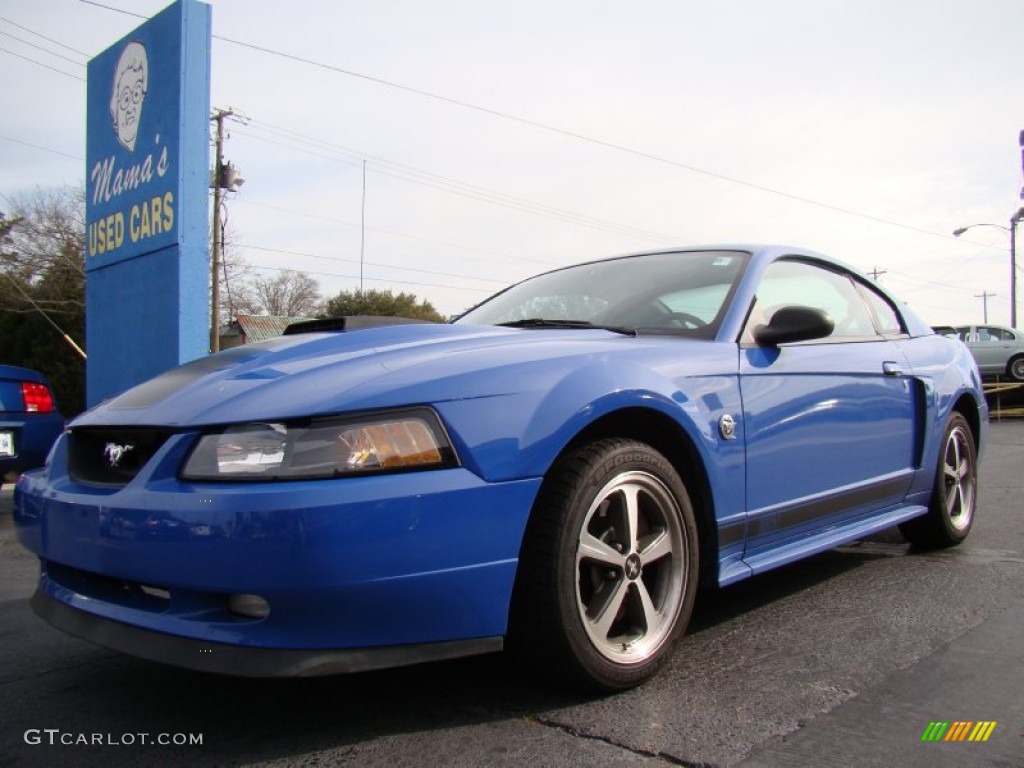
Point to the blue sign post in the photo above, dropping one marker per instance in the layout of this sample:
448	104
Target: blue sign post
147	190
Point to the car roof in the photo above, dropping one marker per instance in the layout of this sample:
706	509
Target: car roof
761	255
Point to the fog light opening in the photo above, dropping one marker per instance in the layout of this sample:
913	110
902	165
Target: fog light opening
158	592
249	606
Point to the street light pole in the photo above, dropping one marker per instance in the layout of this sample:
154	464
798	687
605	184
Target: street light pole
1012	229
1013	266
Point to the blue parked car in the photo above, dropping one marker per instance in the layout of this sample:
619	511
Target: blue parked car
556	472
29	419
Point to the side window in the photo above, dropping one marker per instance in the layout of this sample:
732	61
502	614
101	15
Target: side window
791	282
887	319
992	334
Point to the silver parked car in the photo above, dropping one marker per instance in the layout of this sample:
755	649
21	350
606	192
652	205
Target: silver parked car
998	350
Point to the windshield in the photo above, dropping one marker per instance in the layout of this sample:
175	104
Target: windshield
685	292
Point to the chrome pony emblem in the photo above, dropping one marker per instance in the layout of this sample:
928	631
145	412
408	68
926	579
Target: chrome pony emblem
113	453
727	427
634	567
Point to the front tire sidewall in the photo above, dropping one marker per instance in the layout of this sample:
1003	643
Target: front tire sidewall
950	533
937	528
613	460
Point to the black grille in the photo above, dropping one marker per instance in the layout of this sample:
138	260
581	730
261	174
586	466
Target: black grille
111	455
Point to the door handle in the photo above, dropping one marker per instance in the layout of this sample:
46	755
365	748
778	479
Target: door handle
892	369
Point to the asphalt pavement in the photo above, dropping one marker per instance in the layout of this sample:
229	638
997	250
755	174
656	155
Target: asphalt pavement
845	659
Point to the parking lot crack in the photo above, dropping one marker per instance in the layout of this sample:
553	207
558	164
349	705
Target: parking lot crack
576	733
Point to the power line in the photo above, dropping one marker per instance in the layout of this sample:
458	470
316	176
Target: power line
575	135
381	279
498	254
44	37
40	147
45	66
397	233
112	8
41	48
451	186
933	283
622	148
369	263
415	175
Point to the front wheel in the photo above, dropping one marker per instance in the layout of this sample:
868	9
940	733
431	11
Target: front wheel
951	513
608	571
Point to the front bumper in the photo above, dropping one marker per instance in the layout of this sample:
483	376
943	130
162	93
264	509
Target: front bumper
243	661
354	564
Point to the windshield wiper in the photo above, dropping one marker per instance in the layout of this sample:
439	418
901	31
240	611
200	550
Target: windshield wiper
540	322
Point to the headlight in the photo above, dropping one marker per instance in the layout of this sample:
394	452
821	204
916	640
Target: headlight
395	441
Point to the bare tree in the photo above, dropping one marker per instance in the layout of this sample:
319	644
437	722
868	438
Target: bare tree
288	293
43	252
42	288
244	292
236	296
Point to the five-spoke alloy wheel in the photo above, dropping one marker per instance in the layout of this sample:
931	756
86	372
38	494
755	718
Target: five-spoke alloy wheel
629	567
608	572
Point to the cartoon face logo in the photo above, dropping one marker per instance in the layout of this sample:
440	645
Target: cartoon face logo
131	78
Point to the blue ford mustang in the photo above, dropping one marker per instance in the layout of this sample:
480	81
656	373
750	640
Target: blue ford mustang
555	472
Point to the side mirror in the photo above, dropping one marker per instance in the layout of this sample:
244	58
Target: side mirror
791	324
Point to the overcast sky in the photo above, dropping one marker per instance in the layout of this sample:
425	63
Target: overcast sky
865	129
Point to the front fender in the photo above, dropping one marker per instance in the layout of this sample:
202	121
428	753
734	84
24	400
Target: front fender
518	436
947	374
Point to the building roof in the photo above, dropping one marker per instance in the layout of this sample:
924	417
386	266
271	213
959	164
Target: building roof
263	327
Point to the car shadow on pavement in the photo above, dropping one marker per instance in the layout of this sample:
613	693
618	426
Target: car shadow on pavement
717	605
246	721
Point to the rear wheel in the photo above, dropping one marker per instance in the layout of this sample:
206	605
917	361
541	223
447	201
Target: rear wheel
951	513
608	571
1015	368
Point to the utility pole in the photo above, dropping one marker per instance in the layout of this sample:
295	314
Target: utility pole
984	296
218	171
876	273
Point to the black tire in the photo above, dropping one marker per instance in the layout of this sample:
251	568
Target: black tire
1015	368
954	496
608	570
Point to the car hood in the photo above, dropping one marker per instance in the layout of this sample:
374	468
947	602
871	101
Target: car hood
324	373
